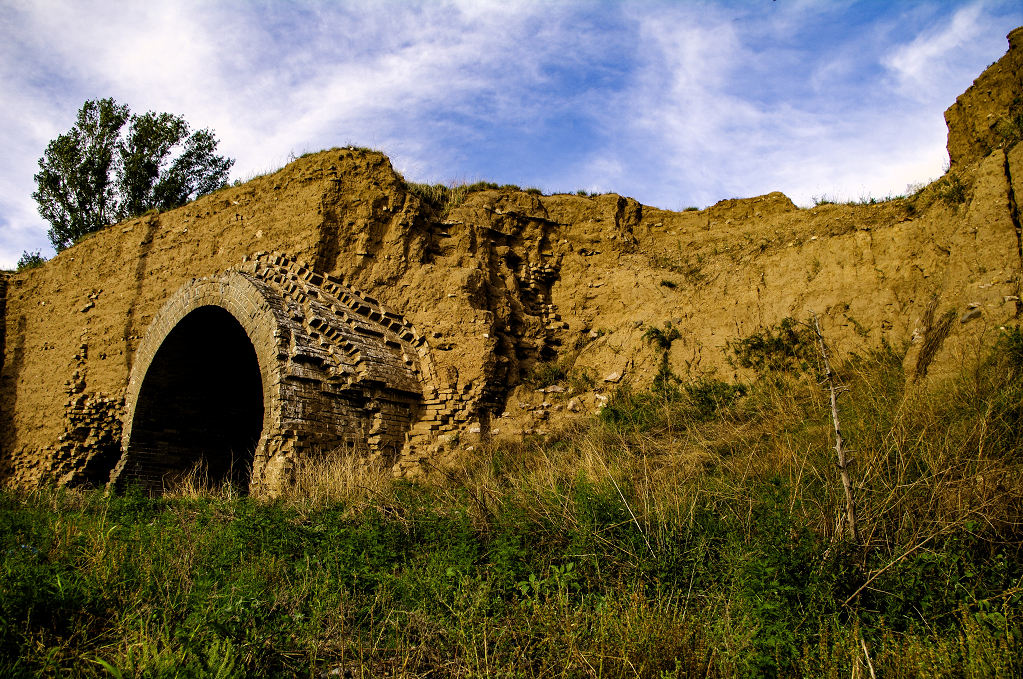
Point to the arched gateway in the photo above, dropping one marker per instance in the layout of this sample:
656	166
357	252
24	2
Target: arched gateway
245	374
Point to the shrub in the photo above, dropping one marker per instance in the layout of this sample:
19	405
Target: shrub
547	373
952	190
30	260
708	396
788	346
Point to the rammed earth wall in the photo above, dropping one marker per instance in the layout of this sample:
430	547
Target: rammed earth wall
327	305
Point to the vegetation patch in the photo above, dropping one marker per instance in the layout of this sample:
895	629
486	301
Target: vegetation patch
30	260
687	533
443	197
787	346
1010	127
952	190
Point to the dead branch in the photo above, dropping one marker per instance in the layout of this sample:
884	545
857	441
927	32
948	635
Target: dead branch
843	463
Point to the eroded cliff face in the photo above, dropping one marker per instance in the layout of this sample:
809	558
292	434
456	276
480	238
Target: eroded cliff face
982	117
509	280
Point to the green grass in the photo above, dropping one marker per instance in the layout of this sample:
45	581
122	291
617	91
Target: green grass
443	197
687	533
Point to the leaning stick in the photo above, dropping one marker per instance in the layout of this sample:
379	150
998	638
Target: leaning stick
843	463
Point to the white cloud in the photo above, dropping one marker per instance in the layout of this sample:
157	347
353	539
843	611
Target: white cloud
710	101
694	136
920	67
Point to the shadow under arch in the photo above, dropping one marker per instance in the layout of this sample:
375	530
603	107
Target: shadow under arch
203	392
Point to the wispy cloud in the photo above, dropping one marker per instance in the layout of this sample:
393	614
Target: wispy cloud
673	103
920	67
726	106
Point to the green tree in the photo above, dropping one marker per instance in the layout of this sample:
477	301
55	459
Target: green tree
74	189
113	165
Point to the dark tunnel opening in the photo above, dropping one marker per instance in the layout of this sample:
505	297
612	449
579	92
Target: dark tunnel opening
201	403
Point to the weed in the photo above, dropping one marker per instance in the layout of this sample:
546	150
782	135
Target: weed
788	346
952	190
662	337
815	268
30	260
934	334
581	380
690	268
860	329
433	194
1010	127
709	396
547	373
442	197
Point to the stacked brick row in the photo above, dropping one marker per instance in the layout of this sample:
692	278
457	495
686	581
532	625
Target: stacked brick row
355	340
357	371
91	442
350	333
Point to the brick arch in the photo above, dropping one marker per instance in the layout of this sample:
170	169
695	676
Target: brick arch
260	312
336	369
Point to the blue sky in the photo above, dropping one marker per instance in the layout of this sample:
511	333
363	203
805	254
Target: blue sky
673	103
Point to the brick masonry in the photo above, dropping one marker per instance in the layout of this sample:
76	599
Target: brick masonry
337	369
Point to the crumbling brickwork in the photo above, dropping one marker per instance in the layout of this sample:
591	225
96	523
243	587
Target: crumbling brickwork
335	368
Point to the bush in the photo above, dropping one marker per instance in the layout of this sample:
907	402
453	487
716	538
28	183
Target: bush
952	190
788	346
30	260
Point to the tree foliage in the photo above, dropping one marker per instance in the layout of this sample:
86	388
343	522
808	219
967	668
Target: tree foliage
113	165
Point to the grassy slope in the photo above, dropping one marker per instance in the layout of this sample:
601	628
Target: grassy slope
688	532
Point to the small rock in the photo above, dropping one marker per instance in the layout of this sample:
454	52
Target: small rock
970	315
573	405
613	377
87	306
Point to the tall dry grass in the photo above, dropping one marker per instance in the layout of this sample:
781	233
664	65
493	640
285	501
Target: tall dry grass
689	532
